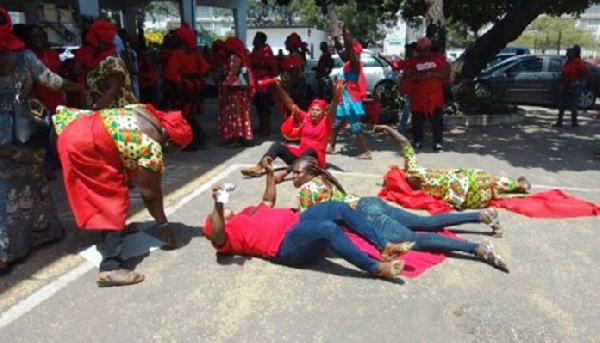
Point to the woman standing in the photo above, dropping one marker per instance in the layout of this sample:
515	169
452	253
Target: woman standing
27	217
108	82
184	71
97	149
237	89
355	91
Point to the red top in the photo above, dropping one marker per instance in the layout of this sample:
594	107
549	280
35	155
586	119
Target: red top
256	231
428	94
264	65
325	64
185	62
357	89
313	136
574	70
49	98
147	70
405	86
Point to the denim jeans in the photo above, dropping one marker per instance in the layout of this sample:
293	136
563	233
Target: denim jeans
406	109
111	250
320	227
570	101
393	223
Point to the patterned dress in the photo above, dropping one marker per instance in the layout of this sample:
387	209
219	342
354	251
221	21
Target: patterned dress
316	191
234	107
96	82
461	188
27	214
135	147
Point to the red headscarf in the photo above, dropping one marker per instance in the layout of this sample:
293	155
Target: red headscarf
177	127
295	41
101	31
319	103
8	41
236	46
219	48
187	35
358	48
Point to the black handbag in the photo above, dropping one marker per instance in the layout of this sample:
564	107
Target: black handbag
30	123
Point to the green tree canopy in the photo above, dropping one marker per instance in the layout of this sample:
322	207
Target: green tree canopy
551	34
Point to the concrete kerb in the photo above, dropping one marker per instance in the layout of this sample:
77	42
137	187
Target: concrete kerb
484	120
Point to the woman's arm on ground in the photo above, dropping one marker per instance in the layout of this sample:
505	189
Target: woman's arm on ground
219	236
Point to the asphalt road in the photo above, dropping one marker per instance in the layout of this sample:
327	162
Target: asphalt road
191	294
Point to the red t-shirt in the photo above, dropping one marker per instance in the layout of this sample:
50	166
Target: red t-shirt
184	62
313	136
405	86
574	70
256	231
428	94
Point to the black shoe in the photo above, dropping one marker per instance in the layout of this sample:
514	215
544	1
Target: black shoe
438	147
574	125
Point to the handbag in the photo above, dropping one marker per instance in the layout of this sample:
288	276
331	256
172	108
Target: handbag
30	123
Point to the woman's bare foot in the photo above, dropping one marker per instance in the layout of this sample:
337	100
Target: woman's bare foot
331	150
390	269
365	156
524	183
254	171
391	251
489	216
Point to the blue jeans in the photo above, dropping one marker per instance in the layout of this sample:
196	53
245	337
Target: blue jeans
406	109
396	225
320	227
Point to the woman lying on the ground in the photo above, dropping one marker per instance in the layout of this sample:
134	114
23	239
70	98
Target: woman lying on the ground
316	131
287	237
319	186
461	188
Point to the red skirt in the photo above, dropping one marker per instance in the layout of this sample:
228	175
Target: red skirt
93	175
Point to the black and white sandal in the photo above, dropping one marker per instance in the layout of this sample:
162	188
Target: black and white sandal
493	259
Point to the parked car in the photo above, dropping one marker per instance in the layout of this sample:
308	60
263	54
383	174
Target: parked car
534	80
378	73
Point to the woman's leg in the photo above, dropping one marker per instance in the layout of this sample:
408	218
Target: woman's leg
112	247
402	125
418	121
309	239
342	213
374	205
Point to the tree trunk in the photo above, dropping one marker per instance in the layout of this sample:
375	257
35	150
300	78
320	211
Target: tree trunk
503	32
434	19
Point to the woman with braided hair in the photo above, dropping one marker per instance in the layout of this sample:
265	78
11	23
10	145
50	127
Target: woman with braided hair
395	224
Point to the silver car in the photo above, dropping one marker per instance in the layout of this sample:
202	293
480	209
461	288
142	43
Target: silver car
378	73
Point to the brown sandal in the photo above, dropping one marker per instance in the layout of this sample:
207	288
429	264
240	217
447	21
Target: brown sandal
119	277
365	156
390	269
390	252
489	217
490	256
255	171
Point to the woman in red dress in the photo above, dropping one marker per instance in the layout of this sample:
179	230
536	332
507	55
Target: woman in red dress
235	93
316	131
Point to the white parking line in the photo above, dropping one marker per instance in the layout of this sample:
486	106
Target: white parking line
35	299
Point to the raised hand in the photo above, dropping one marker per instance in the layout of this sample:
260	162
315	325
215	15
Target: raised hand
267	163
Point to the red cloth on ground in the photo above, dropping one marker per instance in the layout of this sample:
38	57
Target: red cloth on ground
256	231
48	97
428	94
313	136
93	175
550	204
574	70
8	41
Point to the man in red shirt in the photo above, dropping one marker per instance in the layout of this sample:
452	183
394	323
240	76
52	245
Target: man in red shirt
574	73
293	239
428	73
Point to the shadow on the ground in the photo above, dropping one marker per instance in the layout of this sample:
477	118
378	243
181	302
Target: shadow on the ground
327	266
533	143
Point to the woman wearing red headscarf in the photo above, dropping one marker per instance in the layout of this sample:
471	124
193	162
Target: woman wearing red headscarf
264	66
293	79
355	91
27	216
97	149
108	81
316	131
183	73
237	89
